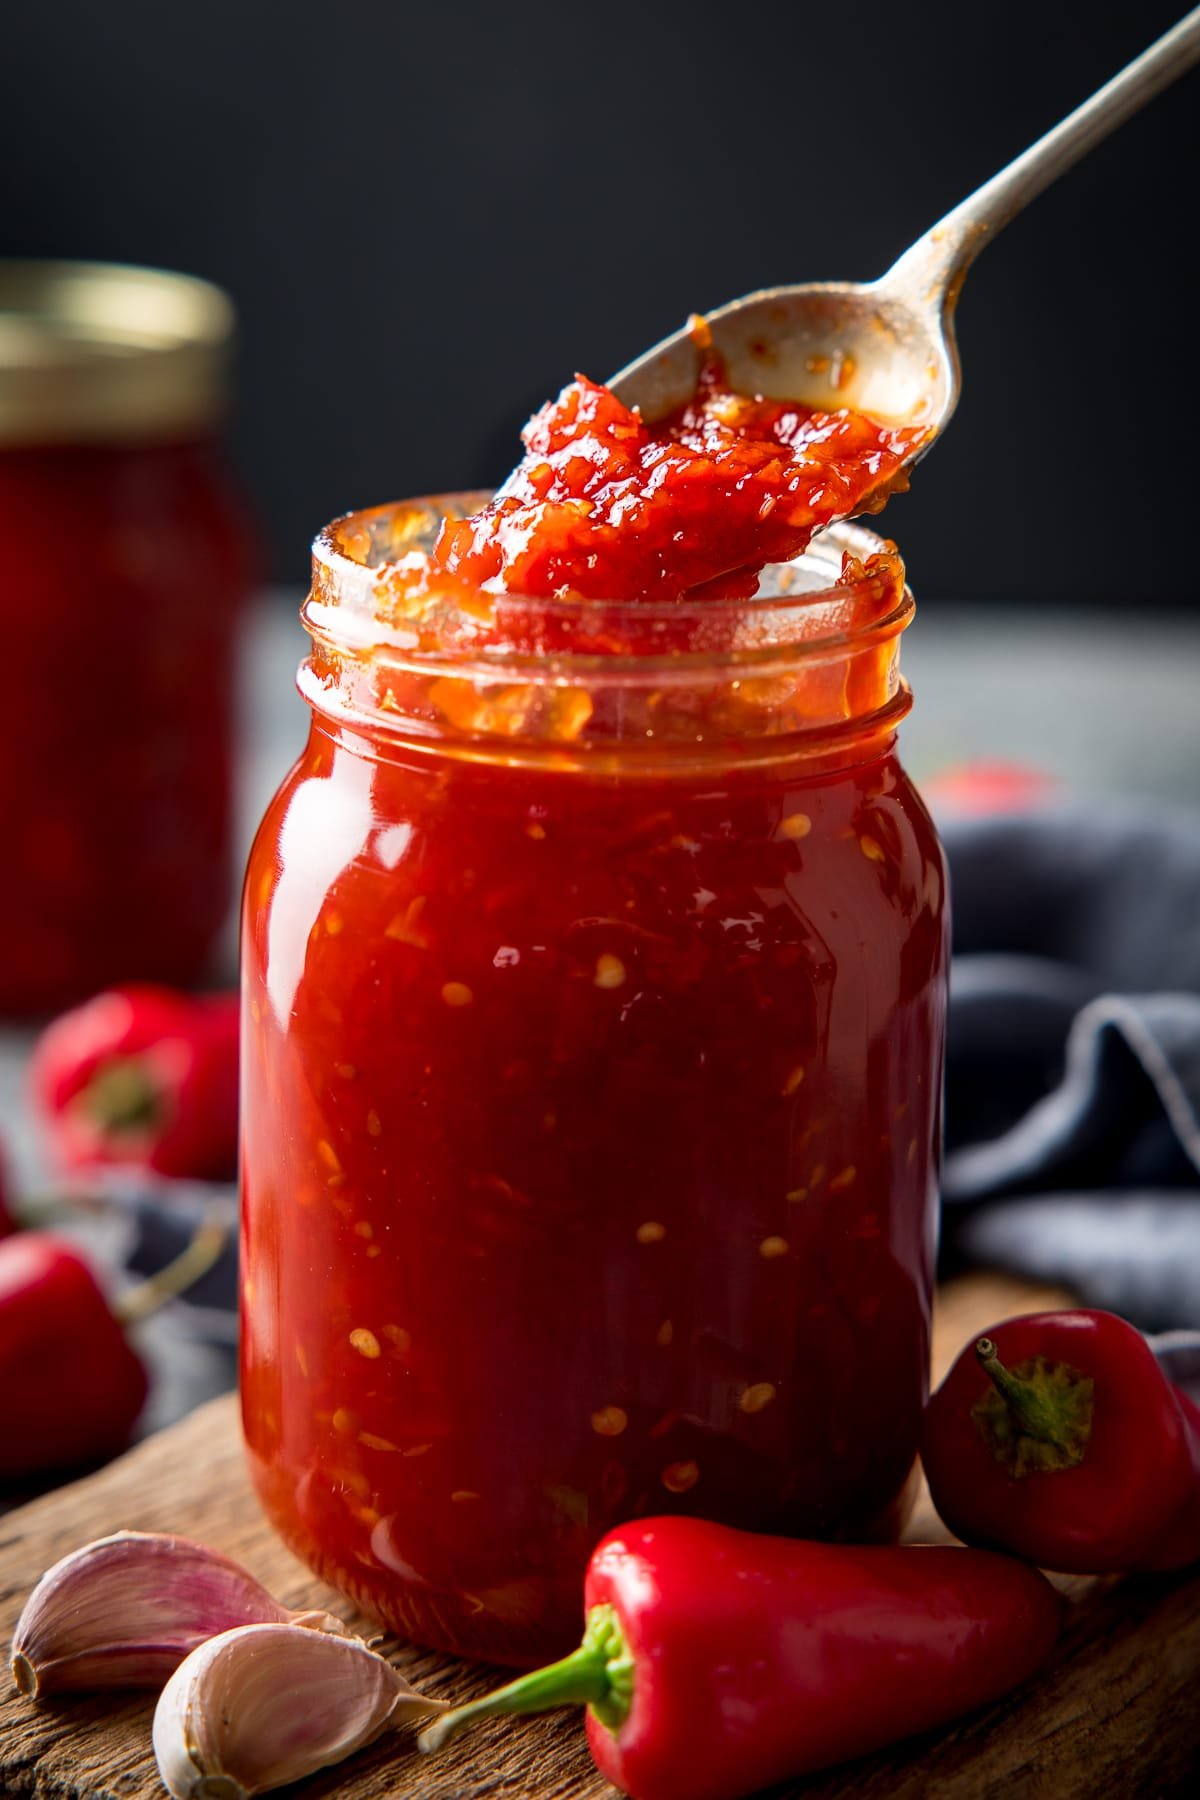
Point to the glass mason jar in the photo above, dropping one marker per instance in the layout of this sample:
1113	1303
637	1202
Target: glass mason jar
594	987
126	559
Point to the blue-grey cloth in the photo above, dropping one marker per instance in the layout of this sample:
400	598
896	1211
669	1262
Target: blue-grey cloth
1073	1062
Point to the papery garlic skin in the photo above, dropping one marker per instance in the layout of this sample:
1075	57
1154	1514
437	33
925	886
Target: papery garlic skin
265	1705
125	1610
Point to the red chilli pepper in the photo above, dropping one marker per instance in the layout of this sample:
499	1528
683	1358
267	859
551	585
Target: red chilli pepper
71	1385
1058	1437
987	785
145	1076
715	1662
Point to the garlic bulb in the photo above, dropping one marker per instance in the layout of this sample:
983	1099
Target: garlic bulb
125	1611
264	1705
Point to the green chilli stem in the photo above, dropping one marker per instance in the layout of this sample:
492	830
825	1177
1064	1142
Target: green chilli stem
1031	1414
199	1254
599	1674
1037	1418
123	1096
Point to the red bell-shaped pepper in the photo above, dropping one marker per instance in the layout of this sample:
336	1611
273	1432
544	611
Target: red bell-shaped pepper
1058	1437
716	1662
71	1384
142	1075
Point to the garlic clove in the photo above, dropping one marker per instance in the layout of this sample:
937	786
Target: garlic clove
125	1610
264	1705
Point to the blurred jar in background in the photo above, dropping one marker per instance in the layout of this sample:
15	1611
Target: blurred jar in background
124	562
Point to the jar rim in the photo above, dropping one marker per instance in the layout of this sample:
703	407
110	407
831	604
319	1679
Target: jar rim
363	564
809	666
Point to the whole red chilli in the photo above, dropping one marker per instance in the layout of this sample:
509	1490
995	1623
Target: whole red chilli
142	1075
1057	1436
71	1384
715	1661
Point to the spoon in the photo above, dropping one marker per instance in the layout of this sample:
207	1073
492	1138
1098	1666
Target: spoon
888	347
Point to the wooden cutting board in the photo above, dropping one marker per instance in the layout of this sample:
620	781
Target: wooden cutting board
1116	1714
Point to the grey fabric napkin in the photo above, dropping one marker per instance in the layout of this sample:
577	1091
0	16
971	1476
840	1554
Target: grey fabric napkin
1073	1062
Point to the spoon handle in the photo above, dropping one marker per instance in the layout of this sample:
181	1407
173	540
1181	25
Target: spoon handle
932	271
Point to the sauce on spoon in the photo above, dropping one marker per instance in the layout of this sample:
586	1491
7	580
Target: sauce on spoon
606	507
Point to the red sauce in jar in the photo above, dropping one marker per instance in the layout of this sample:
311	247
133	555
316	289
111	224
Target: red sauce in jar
125	564
592	1068
127	567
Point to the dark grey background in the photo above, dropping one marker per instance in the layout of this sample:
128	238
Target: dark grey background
430	216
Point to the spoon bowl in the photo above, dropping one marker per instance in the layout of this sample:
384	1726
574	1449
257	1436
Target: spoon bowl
865	345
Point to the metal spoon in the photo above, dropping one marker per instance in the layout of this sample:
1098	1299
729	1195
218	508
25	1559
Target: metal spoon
887	347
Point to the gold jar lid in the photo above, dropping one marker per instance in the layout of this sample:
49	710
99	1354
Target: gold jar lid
102	353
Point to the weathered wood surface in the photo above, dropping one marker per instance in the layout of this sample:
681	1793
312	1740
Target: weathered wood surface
1116	1715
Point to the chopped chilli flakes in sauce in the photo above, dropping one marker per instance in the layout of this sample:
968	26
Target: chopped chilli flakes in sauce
606	507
